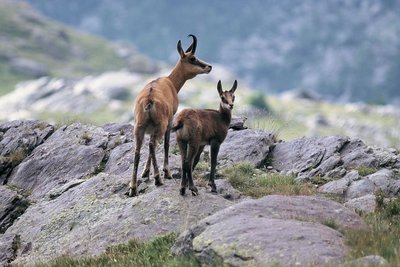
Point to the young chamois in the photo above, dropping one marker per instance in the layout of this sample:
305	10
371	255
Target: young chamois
196	128
154	109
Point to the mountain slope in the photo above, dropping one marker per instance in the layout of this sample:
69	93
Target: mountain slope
343	49
33	46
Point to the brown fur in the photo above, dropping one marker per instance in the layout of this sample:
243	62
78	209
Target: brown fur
154	109
196	128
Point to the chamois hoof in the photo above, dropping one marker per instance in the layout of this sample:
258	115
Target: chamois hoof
132	192
158	181
194	190
182	191
213	187
167	174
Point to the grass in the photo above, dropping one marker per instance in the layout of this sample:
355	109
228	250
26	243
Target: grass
153	253
365	170
252	182
383	236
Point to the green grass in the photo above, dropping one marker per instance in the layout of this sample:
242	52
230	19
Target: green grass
252	182
134	253
365	170
383	236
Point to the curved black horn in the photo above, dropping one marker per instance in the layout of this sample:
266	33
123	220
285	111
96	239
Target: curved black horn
192	47
219	87
233	89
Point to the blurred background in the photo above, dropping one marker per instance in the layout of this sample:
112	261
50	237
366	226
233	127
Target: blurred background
304	67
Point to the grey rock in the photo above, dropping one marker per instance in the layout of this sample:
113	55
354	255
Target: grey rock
247	145
355	154
12	205
96	214
338	187
72	152
226	190
8	248
360	188
394	187
382	179
304	154
18	140
368	261
366	203
336	173
273	229
237	123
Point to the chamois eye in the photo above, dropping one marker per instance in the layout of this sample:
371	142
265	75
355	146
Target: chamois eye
192	59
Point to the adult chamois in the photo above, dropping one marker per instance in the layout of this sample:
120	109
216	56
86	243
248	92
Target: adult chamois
155	106
196	128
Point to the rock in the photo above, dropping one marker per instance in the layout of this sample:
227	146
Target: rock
368	261
304	154
96	214
366	203
360	188
72	152
12	205
17	141
28	67
274	229
226	190
338	187
9	244
382	179
355	154
237	123
247	145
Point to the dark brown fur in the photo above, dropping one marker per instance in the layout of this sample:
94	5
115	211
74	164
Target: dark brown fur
155	107
196	128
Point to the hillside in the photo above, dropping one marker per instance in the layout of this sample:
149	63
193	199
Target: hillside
33	46
346	50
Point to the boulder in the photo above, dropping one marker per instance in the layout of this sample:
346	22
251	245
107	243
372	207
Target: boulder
280	230
304	154
366	203
72	152
247	145
12	205
95	214
17	140
8	248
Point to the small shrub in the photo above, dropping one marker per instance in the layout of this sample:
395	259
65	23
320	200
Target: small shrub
86	137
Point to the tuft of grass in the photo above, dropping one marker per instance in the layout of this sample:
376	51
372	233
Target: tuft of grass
365	170
383	236
255	183
86	137
134	253
330	223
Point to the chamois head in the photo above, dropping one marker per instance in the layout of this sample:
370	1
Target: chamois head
227	97
191	64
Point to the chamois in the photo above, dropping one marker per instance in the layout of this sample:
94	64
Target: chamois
155	106
196	128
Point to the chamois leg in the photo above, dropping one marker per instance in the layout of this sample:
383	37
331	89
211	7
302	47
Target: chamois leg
183	150
189	167
146	171
214	155
139	136
167	173
197	158
152	151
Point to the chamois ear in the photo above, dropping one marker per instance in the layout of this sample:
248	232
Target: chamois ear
219	88
192	47
234	87
180	50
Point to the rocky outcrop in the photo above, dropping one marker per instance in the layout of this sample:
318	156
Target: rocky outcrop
339	158
74	179
289	231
